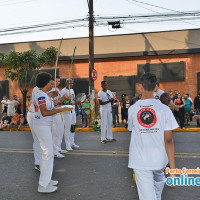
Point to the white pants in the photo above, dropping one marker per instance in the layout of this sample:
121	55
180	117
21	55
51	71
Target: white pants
36	145
106	122
73	122
150	183
67	116
44	136
57	132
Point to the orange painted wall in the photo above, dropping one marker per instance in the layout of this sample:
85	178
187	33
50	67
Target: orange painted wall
128	66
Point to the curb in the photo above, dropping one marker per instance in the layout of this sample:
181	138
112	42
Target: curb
114	129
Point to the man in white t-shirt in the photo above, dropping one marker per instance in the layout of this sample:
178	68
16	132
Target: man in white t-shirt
157	92
151	146
3	102
69	118
105	98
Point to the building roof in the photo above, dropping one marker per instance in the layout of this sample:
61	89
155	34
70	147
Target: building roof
143	44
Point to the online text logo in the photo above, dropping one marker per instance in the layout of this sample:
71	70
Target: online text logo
183	180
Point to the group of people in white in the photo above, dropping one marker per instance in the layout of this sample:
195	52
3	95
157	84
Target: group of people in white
51	117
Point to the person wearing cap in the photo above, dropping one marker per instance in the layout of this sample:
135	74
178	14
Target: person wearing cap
42	126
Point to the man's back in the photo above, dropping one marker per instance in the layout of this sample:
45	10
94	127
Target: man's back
148	119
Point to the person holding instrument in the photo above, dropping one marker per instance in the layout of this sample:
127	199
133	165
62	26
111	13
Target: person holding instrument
42	123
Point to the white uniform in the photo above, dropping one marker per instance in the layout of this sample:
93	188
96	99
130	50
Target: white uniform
148	119
67	116
57	128
158	94
106	115
42	128
30	117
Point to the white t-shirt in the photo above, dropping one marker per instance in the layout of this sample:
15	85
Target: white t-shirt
190	99
105	96
3	102
158	93
66	91
148	119
42	98
35	90
52	90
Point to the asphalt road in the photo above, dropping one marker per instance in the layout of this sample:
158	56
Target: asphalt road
93	172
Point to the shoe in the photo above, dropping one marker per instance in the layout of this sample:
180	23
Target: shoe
75	146
53	182
59	155
63	151
114	126
111	140
37	167
103	142
48	189
69	149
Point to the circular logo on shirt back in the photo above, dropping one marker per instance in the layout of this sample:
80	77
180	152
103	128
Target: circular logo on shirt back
146	117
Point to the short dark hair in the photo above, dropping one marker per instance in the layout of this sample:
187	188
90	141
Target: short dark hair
158	84
53	77
165	95
149	81
103	82
42	79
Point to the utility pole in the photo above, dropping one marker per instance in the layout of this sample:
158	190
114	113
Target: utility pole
91	61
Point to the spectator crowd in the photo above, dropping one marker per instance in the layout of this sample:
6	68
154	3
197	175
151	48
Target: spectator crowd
182	106
12	113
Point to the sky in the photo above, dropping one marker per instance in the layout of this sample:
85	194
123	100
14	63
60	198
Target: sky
17	13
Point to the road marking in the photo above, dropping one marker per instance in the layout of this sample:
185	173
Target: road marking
95	153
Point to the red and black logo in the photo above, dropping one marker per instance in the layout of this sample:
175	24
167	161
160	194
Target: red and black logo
147	117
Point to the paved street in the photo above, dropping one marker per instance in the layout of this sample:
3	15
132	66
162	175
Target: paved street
93	172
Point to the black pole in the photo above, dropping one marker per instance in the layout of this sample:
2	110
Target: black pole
91	59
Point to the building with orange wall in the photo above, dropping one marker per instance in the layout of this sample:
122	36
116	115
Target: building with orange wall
120	56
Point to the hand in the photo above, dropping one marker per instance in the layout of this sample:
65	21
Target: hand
196	116
53	94
172	176
111	100
68	96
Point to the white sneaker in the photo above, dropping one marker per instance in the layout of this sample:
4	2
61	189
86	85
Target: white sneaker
53	182
75	146
59	155
63	151
69	149
48	189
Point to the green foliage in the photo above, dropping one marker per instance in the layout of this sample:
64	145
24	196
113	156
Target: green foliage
48	57
2	58
19	64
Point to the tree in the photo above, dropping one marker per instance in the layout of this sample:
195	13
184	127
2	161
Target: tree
18	66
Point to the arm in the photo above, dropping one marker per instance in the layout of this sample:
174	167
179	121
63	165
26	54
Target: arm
53	94
169	146
46	112
104	103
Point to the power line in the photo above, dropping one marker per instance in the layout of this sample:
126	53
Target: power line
102	21
1	5
161	8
